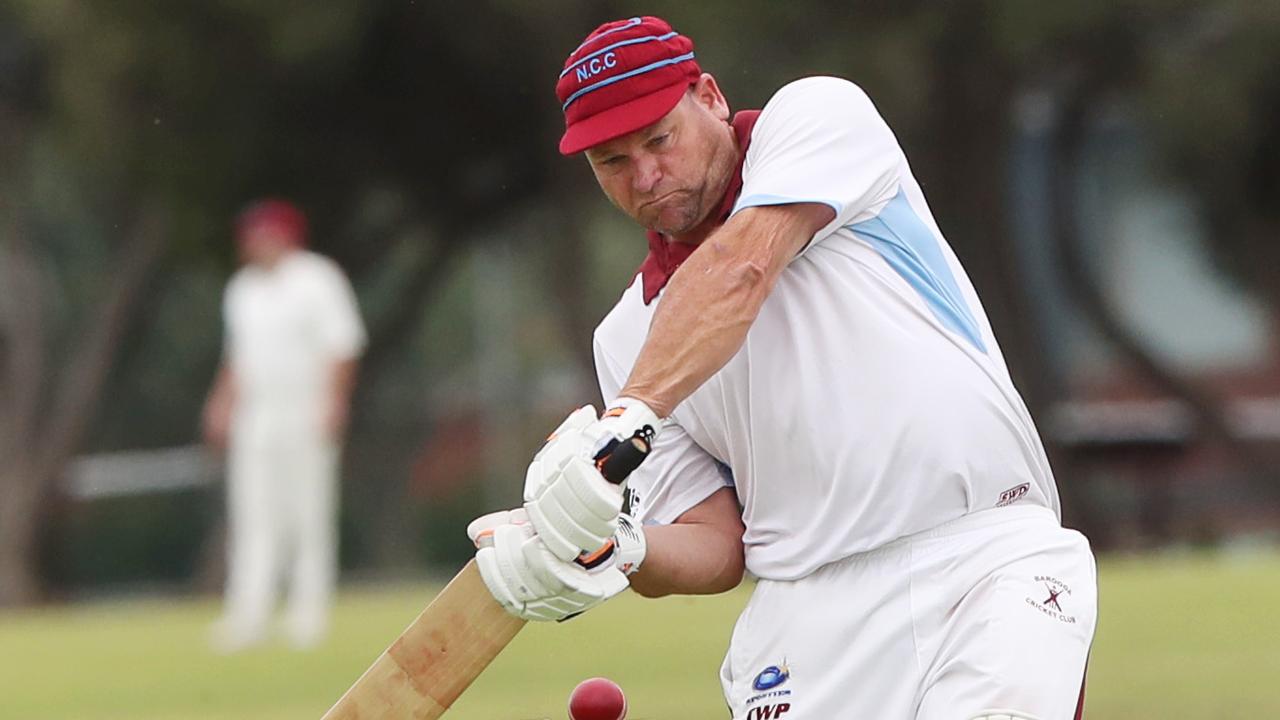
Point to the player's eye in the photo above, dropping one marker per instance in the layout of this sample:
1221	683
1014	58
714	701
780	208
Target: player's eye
659	140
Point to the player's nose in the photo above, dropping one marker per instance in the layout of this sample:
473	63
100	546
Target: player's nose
647	173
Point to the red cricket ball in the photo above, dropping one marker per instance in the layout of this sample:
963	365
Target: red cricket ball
597	699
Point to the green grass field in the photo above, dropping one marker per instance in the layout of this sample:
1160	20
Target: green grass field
1180	637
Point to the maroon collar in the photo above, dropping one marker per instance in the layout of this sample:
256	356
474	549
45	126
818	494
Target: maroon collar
664	256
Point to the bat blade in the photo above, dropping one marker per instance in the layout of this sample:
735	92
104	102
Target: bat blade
433	661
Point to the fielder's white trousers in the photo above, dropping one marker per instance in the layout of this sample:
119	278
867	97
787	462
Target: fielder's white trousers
993	611
281	523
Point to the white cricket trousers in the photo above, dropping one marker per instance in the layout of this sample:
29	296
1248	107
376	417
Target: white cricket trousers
281	509
993	611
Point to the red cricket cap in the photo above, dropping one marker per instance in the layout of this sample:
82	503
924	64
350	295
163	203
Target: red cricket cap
625	76
279	215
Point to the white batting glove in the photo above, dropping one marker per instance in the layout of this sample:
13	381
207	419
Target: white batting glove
571	505
532	584
566	441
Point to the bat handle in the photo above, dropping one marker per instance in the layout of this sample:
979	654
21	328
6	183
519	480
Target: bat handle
618	458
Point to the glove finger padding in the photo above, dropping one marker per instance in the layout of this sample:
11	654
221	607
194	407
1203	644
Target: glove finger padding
571	579
565	538
487	560
531	583
586	506
523	580
504	570
577	512
481	529
566	441
515	585
578	420
596	495
598	586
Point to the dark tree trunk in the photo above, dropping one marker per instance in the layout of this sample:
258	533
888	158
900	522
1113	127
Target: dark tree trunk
38	437
968	187
19	530
568	267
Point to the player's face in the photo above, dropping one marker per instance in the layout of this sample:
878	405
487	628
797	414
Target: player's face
264	246
671	175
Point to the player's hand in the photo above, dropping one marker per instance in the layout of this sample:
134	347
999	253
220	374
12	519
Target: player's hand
336	418
215	423
571	505
531	583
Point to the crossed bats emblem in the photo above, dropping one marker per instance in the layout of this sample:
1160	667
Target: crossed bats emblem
1053	598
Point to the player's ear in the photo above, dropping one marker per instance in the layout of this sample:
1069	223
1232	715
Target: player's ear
706	91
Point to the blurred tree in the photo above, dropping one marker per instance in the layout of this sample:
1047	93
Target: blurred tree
1199	77
1213	97
394	123
131	131
53	360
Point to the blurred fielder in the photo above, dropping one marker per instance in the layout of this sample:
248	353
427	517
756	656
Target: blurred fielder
280	405
810	364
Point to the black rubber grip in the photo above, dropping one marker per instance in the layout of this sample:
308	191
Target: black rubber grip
617	459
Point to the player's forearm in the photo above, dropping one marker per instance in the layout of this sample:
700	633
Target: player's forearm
699	554
689	560
223	392
218	408
343	381
711	302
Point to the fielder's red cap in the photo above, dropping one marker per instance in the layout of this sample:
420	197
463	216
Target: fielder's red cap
625	76
279	215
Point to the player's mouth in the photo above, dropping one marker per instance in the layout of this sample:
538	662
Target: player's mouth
659	202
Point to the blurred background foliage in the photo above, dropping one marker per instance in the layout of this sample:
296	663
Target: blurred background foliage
1107	170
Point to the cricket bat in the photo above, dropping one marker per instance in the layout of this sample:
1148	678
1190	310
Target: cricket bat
454	639
425	670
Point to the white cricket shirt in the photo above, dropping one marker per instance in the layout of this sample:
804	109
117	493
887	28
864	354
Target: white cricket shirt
285	329
870	400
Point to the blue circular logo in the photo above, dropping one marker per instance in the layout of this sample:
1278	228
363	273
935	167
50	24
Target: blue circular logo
771	677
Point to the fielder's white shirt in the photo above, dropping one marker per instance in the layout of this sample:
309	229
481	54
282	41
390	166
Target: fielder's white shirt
870	400
286	327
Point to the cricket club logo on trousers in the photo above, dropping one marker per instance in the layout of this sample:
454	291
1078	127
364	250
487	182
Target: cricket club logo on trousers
1050	594
1053	598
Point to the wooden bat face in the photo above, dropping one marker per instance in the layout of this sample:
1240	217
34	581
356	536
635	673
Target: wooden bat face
433	661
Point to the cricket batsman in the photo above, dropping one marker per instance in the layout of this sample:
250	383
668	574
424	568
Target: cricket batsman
821	397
